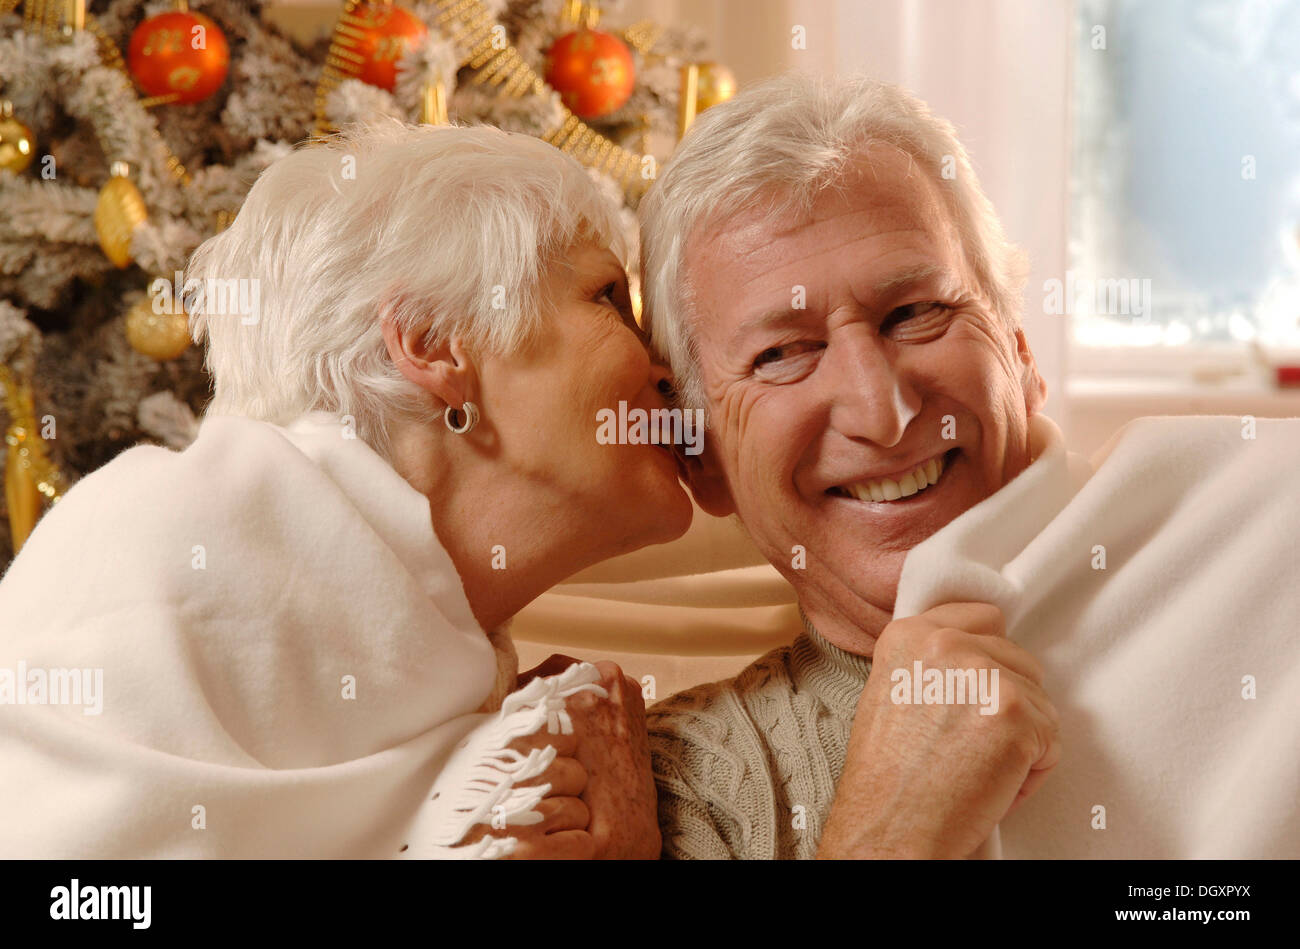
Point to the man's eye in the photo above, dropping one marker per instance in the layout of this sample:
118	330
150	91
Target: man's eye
913	311
787	353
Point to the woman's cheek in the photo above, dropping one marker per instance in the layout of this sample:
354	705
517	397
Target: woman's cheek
595	385
633	366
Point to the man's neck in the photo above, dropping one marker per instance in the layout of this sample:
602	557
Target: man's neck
857	635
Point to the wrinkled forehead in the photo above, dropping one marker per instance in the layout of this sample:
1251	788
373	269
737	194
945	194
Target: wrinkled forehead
880	191
880	187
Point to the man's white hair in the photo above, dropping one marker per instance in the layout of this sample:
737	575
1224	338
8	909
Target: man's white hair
775	147
449	229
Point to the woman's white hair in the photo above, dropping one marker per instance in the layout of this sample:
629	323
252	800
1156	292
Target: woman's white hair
775	147
444	229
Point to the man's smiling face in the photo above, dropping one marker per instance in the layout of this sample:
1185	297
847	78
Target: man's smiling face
896	369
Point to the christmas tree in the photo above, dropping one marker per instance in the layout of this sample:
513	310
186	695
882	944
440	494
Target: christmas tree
131	131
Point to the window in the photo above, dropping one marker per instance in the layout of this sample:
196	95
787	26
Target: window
1185	177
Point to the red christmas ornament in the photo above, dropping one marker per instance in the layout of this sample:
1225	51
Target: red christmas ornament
179	53
592	71
387	32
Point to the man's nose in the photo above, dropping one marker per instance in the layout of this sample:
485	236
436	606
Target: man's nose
873	399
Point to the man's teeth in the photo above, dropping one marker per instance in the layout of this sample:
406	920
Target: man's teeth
887	489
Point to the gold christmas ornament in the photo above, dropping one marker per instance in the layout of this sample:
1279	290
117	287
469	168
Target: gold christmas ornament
29	474
433	104
687	94
119	212
703	85
715	83
21	494
579	13
160	336
17	141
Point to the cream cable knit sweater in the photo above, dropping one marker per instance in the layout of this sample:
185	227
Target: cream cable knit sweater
747	768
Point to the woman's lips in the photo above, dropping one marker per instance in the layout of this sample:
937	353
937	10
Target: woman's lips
672	453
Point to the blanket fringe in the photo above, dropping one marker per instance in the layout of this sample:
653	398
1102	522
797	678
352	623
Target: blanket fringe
478	784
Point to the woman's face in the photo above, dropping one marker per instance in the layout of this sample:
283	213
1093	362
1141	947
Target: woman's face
543	403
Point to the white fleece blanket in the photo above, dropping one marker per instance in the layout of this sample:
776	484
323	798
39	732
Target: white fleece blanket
1176	668
257	648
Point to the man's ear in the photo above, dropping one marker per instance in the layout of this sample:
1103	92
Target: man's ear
1033	384
707	482
442	369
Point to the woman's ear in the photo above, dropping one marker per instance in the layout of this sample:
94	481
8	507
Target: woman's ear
707	482
442	368
1033	384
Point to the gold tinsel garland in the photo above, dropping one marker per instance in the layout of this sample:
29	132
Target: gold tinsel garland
470	26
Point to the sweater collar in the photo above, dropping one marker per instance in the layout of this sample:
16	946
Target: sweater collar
833	674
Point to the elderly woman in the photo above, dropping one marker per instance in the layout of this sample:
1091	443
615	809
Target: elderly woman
288	639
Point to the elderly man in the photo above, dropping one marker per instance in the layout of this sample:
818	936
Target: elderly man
830	283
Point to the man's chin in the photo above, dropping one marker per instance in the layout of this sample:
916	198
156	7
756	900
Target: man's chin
853	595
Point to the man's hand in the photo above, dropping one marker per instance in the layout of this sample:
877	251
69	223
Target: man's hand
935	780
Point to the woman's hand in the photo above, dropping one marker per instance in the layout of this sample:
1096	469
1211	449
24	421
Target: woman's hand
614	752
562	833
